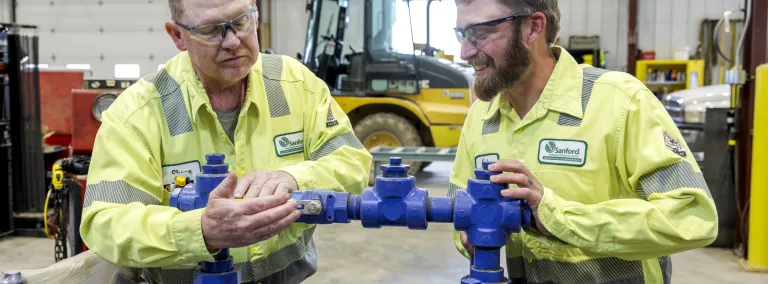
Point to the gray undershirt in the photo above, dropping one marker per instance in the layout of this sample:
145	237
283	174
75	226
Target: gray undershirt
228	122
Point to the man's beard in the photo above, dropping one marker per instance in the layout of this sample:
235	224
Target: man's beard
505	75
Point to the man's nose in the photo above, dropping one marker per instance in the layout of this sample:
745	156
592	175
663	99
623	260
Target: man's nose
230	39
468	50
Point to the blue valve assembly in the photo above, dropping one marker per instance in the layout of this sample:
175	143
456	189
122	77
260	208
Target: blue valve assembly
395	201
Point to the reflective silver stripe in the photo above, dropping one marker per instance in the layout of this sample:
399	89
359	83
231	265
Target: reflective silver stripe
601	270
291	264
119	192
344	139
515	268
172	101
272	71
280	259
568	120
452	188
666	268
493	124
296	272
669	178
591	75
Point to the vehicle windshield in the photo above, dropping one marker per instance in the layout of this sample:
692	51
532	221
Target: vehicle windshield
390	27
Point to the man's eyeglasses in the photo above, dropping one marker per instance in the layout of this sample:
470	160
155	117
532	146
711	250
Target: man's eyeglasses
473	35
214	33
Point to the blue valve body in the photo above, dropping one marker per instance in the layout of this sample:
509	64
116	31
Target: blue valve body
488	218
195	196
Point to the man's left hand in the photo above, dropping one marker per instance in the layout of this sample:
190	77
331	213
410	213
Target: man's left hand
265	183
530	188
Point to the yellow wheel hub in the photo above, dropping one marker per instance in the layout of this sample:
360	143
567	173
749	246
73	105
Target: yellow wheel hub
381	138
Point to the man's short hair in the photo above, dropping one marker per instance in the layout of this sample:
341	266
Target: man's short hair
177	11
549	8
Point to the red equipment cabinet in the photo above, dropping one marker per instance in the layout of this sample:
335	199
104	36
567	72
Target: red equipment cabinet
84	123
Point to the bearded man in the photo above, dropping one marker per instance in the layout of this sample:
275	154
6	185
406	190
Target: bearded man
613	189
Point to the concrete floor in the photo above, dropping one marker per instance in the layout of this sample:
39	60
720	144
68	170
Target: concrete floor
350	254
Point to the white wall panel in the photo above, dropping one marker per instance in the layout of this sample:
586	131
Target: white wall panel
665	25
5	11
131	31
100	33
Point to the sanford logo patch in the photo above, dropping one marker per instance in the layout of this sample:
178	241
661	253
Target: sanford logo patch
563	152
331	121
289	144
673	144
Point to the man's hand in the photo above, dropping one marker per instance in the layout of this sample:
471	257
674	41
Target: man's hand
465	243
265	183
229	223
529	189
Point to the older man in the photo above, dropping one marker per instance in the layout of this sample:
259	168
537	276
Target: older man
276	122
613	187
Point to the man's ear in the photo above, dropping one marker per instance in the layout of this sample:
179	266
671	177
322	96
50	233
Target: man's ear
537	27
175	34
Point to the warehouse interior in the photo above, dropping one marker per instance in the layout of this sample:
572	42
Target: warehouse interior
65	62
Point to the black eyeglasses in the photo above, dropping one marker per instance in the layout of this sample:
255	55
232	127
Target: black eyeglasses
214	33
471	34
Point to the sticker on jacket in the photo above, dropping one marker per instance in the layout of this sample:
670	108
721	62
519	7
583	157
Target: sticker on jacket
289	143
485	158
563	152
170	172
673	144
331	120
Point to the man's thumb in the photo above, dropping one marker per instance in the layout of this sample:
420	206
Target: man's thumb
226	188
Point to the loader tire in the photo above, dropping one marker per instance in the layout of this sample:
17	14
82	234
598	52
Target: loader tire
391	130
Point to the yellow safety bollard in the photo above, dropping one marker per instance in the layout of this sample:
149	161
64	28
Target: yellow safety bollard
757	258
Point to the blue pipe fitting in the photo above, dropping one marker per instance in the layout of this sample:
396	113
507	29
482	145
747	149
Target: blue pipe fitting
195	196
333	207
488	218
394	200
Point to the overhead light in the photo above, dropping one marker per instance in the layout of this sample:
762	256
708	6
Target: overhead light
127	71
42	66
79	66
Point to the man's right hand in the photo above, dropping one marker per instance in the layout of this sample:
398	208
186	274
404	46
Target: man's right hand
229	223
465	243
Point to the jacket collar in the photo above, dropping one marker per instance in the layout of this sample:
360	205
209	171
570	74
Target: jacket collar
562	92
199	97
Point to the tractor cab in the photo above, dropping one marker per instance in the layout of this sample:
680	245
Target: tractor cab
366	47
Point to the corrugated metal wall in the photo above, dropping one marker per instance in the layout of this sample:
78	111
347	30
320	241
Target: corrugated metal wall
663	25
130	31
607	18
101	33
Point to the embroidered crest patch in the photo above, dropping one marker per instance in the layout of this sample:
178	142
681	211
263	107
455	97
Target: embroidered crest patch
331	121
673	144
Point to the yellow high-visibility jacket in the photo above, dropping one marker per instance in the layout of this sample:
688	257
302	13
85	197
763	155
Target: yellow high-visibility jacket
163	126
622	190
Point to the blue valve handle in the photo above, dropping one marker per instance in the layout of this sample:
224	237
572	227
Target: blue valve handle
481	211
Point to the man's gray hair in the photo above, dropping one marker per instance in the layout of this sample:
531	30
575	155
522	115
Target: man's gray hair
549	8
177	11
